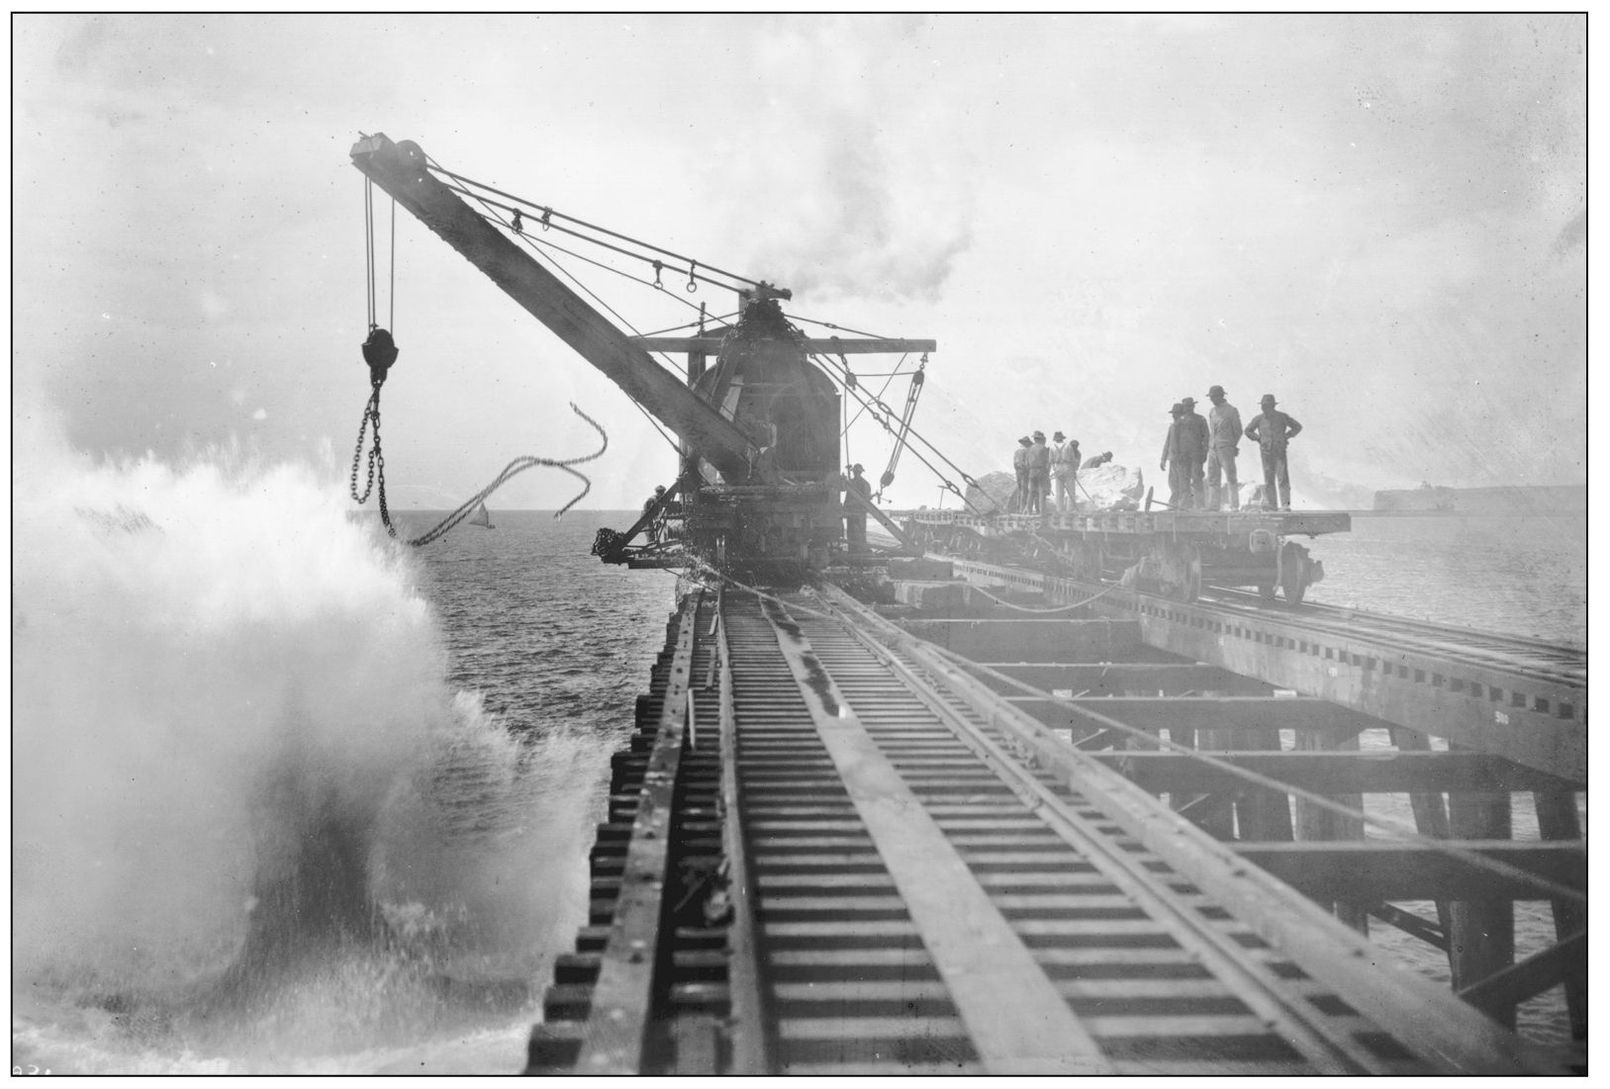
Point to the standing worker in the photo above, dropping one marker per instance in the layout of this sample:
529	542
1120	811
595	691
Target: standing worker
1020	466
1065	471
1271	429
1194	449
652	531
1224	438
855	514
1039	457
1173	463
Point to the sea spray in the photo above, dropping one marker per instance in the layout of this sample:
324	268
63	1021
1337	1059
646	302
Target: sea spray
231	736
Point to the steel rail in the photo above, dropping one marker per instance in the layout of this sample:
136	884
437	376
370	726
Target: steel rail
752	1043
1320	1040
1424	1017
1533	658
1462	646
1017	1021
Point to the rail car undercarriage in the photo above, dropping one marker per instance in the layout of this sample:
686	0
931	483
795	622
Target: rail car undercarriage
1174	553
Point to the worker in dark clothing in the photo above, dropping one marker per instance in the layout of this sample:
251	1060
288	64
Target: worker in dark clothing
1172	463
1272	429
1039	458
653	530
1098	460
1193	450
1020	466
1224	441
854	515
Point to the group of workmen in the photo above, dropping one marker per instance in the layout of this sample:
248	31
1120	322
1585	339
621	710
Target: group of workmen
1039	466
1194	443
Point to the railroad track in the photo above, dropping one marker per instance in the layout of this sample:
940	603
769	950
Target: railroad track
909	883
1532	657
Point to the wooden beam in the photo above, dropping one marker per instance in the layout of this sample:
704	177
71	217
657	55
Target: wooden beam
1557	819
1150	678
400	170
831	345
749	1027
1200	712
1315	823
1501	992
622	998
1335	772
1482	939
1073	640
1407	921
883	519
1431	1022
1371	870
1017	1020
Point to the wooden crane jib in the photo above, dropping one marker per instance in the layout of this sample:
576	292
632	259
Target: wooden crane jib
399	168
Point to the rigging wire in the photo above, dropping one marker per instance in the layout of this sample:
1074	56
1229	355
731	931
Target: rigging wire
883	421
531	244
691	324
549	214
887	382
840	328
513	468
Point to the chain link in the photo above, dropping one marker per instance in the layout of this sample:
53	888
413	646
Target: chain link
377	459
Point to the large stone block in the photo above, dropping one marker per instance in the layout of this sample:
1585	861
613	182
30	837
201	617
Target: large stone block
1031	640
923	570
932	595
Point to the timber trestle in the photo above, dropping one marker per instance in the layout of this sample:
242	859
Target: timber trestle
833	849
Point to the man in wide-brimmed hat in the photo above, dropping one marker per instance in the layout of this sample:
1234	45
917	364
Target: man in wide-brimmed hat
1020	466
1224	440
1179	489
1064	470
1271	429
1039	474
1193	450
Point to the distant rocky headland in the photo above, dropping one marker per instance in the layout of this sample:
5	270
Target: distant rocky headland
1515	499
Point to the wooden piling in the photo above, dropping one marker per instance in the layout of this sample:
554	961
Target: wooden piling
1430	811
1557	819
1314	823
1481	938
1261	813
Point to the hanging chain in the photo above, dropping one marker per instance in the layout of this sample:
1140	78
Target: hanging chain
379	352
377	458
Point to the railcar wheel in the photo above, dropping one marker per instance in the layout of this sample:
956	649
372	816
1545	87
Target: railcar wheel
1294	568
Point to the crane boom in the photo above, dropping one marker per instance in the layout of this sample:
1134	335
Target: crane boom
400	169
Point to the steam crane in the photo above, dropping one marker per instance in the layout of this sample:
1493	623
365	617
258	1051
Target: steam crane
760	480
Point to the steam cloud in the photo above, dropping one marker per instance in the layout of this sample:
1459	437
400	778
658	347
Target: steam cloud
873	208
235	752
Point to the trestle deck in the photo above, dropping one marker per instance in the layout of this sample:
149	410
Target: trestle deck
880	857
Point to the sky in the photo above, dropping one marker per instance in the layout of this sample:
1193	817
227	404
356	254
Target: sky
1381	220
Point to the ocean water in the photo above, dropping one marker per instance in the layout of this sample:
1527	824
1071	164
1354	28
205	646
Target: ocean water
226	691
1521	576
289	797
